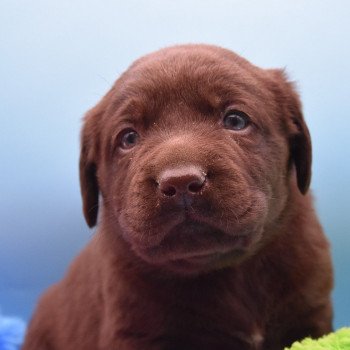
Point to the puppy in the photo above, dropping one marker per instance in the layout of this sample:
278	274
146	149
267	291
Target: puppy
199	163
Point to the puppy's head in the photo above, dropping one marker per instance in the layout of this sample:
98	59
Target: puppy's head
194	152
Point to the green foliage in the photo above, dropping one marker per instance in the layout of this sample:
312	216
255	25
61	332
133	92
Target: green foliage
339	340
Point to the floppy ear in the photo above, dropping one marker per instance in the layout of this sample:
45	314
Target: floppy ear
299	136
88	167
90	158
301	155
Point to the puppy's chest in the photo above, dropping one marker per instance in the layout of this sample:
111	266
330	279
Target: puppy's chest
217	321
203	317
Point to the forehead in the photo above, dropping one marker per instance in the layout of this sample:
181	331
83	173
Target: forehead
201	78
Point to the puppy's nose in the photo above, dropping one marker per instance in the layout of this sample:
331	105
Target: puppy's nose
187	181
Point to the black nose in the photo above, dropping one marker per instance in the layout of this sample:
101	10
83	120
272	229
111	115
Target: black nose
187	180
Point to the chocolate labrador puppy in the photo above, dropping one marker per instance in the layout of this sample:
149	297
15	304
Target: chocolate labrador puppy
199	163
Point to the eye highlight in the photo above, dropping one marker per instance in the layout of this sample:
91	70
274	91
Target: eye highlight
236	120
128	139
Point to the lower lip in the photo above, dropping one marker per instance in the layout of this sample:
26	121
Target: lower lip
199	259
210	258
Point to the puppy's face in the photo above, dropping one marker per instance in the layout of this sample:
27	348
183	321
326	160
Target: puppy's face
194	151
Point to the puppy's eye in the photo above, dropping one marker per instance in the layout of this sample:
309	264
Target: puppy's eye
236	120
128	139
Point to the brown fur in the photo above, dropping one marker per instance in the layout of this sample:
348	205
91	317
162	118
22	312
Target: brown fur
266	276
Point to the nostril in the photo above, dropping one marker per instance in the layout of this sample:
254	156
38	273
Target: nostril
169	191
195	186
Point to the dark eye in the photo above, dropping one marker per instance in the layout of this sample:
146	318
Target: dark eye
128	139
236	120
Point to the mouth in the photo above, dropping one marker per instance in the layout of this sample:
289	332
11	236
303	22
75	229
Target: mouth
193	245
199	258
195	263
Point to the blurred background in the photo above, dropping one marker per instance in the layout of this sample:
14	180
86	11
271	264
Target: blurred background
57	58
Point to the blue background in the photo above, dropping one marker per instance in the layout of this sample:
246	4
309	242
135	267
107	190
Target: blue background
57	58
